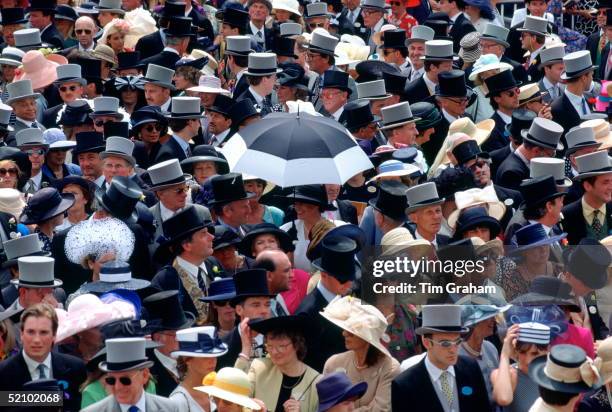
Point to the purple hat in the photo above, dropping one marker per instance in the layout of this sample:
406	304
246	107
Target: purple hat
336	388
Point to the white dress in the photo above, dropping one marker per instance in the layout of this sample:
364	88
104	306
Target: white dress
184	401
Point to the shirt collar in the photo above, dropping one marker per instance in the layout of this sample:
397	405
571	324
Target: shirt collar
254	29
37	180
450	118
167	362
141	404
547	84
454	18
329	296
507	119
100	181
430	85
378	25
435	372
33	365
90	48
220	137
418	236
336	115
259	98
27	122
576	101
170	49
522	157
190	267
547	229
588	210
184	145
165	212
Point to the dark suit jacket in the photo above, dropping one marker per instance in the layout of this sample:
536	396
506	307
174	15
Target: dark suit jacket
268	36
330	340
52	36
70	369
414	387
573	222
149	45
248	95
511	172
345	25
205	28
600	73
348	212
518	71
170	150
460	28
166	59
164	380
498	137
416	91
49	117
497	157
564	113
143	158
234	346
592	45
511	198
241	86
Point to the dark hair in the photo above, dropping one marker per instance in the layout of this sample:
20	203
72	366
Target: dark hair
295	336
373	356
555	398
535	212
177	124
460	4
590	180
241	29
403	51
528	145
494	104
427	65
191	74
177	249
254	80
181	367
241	61
40	310
540	38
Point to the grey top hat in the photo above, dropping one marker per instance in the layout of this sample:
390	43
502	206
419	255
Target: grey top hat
69	73
535	25
125	354
166	174
496	33
106	106
577	64
290	29
441	319
374	90
580	137
422	195
27	38
421	33
549	166
439	50
112	6
159	76
36	272
543	133
323	43
552	55
238	45
119	147
397	115
262	64
593	164
30	137
185	108
11	56
21	89
5	116
22	246
373	4
318	9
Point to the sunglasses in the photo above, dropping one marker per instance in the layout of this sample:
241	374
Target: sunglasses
12	171
447	343
124	380
153	127
100	123
180	190
83	31
31	152
66	88
315	25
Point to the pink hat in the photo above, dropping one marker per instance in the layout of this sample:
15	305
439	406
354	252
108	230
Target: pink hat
39	69
603	100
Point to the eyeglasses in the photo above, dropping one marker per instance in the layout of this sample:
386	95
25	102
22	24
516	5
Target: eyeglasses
276	348
100	122
329	94
387	52
315	25
64	89
370	11
32	152
447	343
12	171
153	127
83	31
395	3
124	380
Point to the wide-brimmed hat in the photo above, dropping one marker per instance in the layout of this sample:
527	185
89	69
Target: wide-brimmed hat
478	131
441	319
205	153
391	200
577	64
544	133
474	217
396	115
474	314
45	204
11	56
593	164
501	82
395	167
56	139
549	166
531	236
40	69
358	114
120	198
359	319
292	6
220	290
224	237
602	131
159	76
335	388
588	262
311	194
29	245
400	240
439	50
232	385
199	342
246	244
11	201
229	188
323	43
496	33
125	354
115	275
36	272
121	147
250	283
604	353
105	53
565	369
423	195
166	313
338	258
209	84
485	63
486	198
535	25
530	92
374	90
300	323
21	89
548	290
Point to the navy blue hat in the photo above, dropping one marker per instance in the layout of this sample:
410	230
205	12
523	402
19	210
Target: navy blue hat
531	236
405	154
336	388
89	142
358	114
241	111
251	283
293	75
220	289
87	185
338	258
147	114
13	15
284	241
391	200
369	70
45	204
539	190
476	217
233	13
120	198
224	237
395	83
62	12
205	153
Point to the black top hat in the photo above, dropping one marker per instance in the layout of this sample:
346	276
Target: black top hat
394	82
548	290
45	204
250	283
224	237
608	17
233	16
357	114
370	70
284	46
220	289
241	111
180	226
335	79
173	9
476	217
148	114
500	82
129	60
468	150
89	142
391	200
165	312
539	190
120	198
13	16
76	114
228	188
440	28
452	84
521	120
42	5
90	69
588	262
338	258
246	245
205	153
179	27
312	194
222	104
394	39
350	231
120	129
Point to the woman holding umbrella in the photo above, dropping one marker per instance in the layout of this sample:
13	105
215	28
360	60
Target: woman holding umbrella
282	381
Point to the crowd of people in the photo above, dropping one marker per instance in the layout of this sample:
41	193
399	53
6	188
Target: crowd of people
300	206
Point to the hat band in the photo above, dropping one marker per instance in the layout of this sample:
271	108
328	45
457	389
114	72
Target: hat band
186	114
560	373
574	73
117	366
29	45
439	57
230	387
490	37
603	169
407	119
176	180
23	282
262	71
10	56
547	144
375	96
424	202
115	277
204	344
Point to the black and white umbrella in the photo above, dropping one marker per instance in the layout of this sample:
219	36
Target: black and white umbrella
292	149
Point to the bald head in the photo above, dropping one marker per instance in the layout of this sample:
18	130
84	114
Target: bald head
85	29
278	266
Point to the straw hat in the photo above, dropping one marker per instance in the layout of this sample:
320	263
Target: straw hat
364	321
603	362
401	240
106	53
601	128
38	68
230	384
11	201
473	197
479	131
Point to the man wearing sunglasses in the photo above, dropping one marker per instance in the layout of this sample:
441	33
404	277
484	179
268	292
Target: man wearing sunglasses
373	12
504	98
315	15
85	29
443	380
70	84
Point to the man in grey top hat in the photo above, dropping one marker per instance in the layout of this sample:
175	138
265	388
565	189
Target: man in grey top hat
158	86
31	142
580	141
552	63
494	40
184	120
117	159
438	58
425	213
23	100
70	85
533	36
373	12
261	77
416	49
237	50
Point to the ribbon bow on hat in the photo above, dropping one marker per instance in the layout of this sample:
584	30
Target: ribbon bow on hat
477	197
131	82
204	343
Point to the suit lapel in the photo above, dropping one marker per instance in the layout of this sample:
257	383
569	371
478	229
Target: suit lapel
426	388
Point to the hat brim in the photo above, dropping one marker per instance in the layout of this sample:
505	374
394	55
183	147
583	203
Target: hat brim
249	195
509	87
62	145
270	73
355	391
188	163
204	89
581	176
214	354
94	149
103	287
13	262
525	135
439	58
564	75
357	332
496	40
160	84
9	62
394	125
217	298
14	99
132	218
310	200
451	329
414	208
495	211
232	397
537	375
79	80
56	283
539	299
530	99
247	241
130	159
159	187
162	253
543	242
9	313
65	204
172	116
571	150
145	364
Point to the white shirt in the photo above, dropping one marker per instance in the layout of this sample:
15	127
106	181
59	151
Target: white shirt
430	85
166	213
141	404
435	373
576	101
255	30
336	115
33	366
164	107
352	16
507	119
28	122
192	269
547	229
218	138
36	181
329	296
449	117
90	48
453	18
167	362
100	181
170	49
418	236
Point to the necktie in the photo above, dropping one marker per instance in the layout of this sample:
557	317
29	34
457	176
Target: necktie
201	282
351	17
34	124
585	110
316	90
259	34
568	168
266	106
188	151
596	225
133	408
41	371
31	187
446	387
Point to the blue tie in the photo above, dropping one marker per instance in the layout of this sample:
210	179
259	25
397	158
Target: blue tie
133	408
584	106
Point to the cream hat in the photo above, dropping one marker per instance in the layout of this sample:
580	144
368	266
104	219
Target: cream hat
11	202
603	362
232	385
477	197
401	240
601	128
